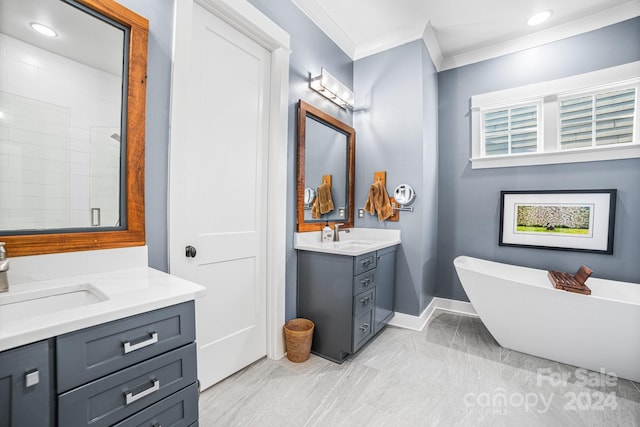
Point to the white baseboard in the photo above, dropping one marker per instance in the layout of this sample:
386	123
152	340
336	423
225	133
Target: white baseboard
417	323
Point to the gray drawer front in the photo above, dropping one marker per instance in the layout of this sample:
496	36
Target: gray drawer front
178	410
91	353
363	302
363	263
103	402
364	281
362	329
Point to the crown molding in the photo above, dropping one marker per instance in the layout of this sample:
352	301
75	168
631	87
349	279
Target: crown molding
325	22
442	62
389	41
589	23
430	40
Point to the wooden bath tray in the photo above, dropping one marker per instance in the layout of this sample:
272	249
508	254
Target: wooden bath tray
572	282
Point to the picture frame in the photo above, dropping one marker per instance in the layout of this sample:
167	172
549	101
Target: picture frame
568	220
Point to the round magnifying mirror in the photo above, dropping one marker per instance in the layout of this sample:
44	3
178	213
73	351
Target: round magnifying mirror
309	195
404	194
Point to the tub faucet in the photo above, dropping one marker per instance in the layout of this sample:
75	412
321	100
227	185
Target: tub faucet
4	266
336	233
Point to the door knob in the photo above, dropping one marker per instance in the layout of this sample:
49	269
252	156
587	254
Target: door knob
190	252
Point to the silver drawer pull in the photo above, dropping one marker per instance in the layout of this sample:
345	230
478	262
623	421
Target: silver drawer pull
32	378
364	327
366	282
130	397
365	301
128	348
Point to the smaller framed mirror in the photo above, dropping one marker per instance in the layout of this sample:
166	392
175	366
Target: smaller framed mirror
326	169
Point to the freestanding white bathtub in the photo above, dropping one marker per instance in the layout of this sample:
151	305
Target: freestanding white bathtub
524	312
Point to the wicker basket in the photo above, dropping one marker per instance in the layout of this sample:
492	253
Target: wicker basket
298	334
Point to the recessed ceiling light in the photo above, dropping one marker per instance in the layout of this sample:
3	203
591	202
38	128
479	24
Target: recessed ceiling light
539	18
43	29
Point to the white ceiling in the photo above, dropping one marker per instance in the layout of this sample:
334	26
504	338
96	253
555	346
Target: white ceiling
81	37
458	32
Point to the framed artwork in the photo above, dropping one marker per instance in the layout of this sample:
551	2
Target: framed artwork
570	220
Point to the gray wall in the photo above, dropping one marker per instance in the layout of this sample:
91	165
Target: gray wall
311	50
160	16
396	122
468	212
402	141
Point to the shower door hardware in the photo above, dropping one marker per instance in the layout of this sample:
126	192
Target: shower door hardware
190	252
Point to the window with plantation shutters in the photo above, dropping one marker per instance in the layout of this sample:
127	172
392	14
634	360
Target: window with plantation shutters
583	118
511	130
603	118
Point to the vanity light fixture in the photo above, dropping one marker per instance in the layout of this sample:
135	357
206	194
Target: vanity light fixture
43	29
333	89
539	18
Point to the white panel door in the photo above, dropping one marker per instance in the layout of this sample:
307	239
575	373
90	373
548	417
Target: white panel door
218	181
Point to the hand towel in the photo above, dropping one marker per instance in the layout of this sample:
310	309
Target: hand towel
369	205
324	198
315	209
378	201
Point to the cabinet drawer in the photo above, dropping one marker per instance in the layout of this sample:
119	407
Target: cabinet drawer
91	353
364	301
364	262
364	281
117	396
362	327
178	410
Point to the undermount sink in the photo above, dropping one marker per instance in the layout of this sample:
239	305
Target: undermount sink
21	305
356	244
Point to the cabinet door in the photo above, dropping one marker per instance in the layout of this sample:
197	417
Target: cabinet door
385	287
325	297
25	386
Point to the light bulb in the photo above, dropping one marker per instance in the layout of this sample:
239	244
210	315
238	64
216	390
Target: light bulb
539	18
43	29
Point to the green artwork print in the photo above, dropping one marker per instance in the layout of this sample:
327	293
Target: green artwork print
557	219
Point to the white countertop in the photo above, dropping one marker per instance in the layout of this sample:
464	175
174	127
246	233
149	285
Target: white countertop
129	291
356	242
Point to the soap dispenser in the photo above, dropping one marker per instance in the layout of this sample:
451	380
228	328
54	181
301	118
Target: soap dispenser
327	233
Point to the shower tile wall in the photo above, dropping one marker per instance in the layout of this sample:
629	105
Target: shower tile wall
57	157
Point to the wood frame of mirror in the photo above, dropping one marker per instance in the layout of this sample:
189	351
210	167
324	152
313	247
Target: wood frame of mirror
134	234
304	110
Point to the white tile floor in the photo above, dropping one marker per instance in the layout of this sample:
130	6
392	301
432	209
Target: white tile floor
451	374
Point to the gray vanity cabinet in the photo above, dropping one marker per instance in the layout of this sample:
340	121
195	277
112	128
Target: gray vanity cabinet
349	298
26	386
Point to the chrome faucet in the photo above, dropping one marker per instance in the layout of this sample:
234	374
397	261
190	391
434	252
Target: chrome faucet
336	232
4	266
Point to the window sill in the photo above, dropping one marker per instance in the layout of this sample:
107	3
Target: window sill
630	151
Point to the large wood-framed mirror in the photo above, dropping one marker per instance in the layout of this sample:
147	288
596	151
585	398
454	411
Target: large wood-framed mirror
87	120
326	167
